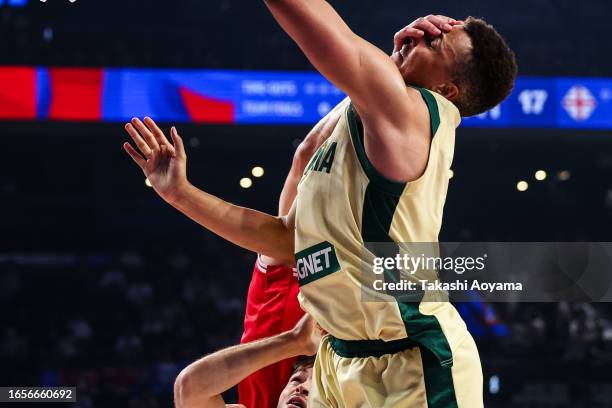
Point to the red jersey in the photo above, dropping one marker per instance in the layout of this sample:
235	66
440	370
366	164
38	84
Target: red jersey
272	308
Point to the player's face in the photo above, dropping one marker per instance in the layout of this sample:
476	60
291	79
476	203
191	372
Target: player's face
295	394
428	61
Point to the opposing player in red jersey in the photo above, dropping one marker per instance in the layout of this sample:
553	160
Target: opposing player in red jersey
272	308
272	304
202	383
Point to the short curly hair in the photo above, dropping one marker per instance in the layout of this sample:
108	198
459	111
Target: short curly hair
486	76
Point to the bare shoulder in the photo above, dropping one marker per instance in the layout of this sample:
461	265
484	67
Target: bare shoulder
234	406
408	116
399	149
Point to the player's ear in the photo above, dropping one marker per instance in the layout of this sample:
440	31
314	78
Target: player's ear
448	89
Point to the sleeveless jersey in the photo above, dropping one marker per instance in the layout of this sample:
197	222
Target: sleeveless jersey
343	202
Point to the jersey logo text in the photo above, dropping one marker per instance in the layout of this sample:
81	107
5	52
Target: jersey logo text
323	159
316	262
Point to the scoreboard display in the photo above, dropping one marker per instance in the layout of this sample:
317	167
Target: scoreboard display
13	3
255	97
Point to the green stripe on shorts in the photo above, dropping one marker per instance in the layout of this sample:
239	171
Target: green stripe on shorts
439	387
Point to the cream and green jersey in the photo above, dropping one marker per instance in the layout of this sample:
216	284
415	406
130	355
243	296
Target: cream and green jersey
344	202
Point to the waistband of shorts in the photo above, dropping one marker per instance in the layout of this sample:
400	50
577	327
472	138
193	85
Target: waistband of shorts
369	348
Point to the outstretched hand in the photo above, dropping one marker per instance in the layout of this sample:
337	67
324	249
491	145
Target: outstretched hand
434	25
162	162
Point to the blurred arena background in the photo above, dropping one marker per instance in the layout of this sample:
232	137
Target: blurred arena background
104	286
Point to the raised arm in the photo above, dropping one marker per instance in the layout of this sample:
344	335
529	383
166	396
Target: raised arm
391	113
164	164
357	67
202	383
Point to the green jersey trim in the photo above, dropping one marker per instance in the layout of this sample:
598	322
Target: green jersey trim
369	348
426	330
377	217
356	132
432	105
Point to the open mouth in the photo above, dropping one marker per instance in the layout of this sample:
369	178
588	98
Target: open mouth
296	402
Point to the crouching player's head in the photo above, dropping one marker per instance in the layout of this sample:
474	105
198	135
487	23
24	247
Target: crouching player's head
295	393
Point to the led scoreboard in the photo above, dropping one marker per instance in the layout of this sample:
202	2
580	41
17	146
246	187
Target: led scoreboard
14	3
255	97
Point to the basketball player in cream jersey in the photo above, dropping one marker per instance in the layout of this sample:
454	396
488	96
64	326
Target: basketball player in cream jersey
381	176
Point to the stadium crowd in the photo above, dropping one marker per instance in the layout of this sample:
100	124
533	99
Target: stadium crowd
120	326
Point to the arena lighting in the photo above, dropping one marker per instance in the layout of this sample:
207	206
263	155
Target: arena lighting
522	186
48	34
540	175
494	384
148	183
564	175
246	182
257	171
